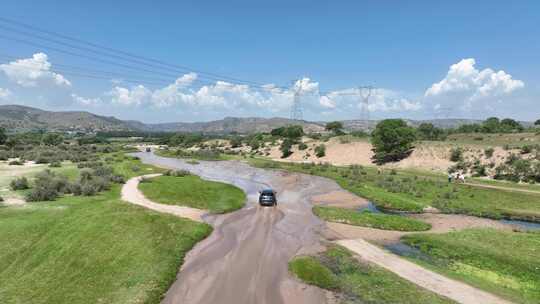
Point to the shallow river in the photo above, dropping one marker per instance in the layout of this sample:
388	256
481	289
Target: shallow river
245	258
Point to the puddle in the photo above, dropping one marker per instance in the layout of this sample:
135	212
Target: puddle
523	224
371	208
405	250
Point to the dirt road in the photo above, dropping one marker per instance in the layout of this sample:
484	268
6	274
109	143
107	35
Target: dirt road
245	258
455	290
132	194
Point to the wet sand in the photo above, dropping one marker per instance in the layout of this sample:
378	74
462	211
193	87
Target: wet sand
245	259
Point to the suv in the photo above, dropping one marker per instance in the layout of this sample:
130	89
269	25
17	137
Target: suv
267	197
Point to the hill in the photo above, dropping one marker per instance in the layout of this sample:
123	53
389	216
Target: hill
22	118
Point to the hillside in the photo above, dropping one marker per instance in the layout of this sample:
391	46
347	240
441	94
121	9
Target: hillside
22	118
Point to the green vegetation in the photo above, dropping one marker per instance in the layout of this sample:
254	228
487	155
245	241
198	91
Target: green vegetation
337	270
392	141
369	219
501	262
336	127
320	150
204	154
293	132
427	131
192	191
414	190
91	250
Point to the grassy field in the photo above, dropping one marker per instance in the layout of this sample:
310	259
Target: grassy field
94	249
192	191
407	190
337	270
369	219
504	263
195	155
91	250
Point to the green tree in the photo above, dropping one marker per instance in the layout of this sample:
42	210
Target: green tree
335	126
428	131
392	141
491	125
292	132
537	123
3	136
510	125
52	139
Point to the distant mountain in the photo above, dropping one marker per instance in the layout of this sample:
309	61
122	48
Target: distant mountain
22	118
230	124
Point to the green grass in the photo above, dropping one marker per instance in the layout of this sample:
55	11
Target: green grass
91	250
504	263
192	191
411	191
514	140
337	270
370	219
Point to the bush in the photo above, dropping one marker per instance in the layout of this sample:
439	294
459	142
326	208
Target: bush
20	183
177	173
456	154
55	164
320	151
489	152
48	186
285	148
15	163
302	146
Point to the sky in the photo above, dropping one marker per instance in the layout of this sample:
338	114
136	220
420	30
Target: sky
204	60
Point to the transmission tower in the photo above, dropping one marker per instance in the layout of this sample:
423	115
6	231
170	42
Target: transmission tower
365	93
296	110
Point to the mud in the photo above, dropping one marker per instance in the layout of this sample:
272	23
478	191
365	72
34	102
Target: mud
245	259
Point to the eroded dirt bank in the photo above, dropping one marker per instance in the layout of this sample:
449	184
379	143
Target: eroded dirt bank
245	258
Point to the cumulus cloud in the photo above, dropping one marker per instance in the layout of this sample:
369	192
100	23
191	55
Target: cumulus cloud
380	100
4	94
31	72
79	100
135	96
463	78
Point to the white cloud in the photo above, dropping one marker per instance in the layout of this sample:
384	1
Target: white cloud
464	79
31	72
135	96
86	101
380	100
5	94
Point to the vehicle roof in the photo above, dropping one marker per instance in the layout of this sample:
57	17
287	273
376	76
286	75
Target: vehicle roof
266	191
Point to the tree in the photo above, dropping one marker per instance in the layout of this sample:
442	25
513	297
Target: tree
491	125
510	125
537	123
52	139
292	132
335	126
428	131
392	141
3	136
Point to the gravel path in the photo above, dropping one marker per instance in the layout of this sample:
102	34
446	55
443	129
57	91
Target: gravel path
452	289
132	194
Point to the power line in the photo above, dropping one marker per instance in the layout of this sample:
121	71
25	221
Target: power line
123	55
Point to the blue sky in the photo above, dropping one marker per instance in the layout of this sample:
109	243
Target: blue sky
403	48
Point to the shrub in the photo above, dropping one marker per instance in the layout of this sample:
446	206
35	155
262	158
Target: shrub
302	146
20	183
456	154
320	150
285	148
526	149
489	152
55	164
177	173
15	163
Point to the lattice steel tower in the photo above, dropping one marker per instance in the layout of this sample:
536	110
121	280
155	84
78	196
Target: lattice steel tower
297	112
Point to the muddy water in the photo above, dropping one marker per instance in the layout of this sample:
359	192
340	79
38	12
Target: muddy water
245	258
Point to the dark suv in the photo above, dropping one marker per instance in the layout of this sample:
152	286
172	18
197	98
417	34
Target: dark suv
267	197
